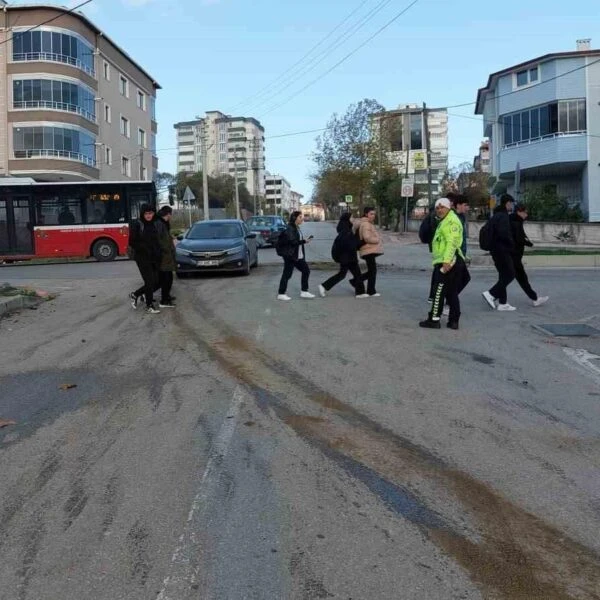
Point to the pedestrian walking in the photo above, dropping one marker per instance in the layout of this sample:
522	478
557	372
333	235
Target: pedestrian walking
426	232
143	240
460	205
502	248
291	247
344	252
517	220
369	248
448	266
168	260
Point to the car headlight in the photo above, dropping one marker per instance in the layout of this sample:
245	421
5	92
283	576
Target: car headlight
235	250
182	251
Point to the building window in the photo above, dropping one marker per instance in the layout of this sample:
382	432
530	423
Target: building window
142	138
416	131
54	141
54	94
125	128
107	114
51	45
106	71
527	77
123	86
108	156
567	116
141	100
125	166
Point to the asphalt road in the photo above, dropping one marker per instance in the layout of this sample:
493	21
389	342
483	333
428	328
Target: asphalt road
241	448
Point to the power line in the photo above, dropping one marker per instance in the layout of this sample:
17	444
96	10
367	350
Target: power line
326	52
298	62
380	30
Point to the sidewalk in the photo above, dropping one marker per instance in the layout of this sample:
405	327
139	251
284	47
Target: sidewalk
12	300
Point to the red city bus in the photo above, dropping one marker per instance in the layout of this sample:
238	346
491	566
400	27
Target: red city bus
69	219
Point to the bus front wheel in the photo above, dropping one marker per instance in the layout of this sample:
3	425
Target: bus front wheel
104	250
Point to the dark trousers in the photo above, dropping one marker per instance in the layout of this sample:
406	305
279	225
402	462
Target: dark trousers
370	275
149	272
506	273
353	267
447	287
522	278
165	283
288	269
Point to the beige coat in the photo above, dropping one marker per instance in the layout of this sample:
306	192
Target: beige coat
370	235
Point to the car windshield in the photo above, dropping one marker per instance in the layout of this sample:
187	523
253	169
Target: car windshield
260	222
214	231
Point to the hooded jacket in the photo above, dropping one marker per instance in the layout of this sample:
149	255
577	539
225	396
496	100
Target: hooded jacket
519	236
367	232
291	242
502	239
168	260
345	243
143	238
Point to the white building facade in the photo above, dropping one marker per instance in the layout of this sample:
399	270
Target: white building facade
538	116
233	144
278	194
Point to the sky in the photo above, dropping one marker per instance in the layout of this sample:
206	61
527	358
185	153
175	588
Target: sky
248	58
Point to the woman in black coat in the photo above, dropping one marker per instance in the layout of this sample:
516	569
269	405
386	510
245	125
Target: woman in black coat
290	247
344	251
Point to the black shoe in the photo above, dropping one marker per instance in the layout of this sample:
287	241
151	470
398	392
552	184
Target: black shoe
172	298
430	324
452	325
352	282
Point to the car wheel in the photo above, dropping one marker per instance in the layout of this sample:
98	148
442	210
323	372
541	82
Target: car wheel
255	264
246	268
104	250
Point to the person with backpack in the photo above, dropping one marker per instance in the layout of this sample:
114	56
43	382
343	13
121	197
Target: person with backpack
343	252
291	247
448	266
145	245
426	232
369	248
498	239
168	260
517	219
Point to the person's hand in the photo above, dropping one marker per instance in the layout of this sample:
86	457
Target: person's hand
446	267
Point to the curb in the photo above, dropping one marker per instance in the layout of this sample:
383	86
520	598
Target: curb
14	303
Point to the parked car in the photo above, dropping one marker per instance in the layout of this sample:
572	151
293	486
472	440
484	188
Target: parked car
267	228
224	245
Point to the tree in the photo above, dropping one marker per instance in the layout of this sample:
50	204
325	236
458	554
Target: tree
544	204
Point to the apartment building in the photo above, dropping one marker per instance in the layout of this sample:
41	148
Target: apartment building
405	140
278	194
295	200
539	116
481	163
73	104
232	144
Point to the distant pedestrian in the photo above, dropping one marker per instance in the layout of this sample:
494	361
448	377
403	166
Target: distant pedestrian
143	239
168	260
344	252
369	248
448	266
291	247
517	219
502	248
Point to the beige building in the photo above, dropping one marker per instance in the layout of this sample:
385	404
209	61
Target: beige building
295	200
73	105
231	143
277	194
481	163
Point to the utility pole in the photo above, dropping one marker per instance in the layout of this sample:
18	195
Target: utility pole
204	171
427	154
237	191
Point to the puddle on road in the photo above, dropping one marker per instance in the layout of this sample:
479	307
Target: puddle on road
512	555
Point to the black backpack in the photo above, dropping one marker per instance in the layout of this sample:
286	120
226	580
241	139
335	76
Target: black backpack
281	245
486	236
427	229
335	250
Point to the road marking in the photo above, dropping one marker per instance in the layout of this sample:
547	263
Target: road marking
260	333
583	359
267	311
183	572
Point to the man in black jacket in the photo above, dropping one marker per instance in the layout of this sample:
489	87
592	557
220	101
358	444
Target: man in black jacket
502	248
521	240
143	239
168	259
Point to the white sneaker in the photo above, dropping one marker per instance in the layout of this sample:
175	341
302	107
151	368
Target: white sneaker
377	295
322	291
306	295
505	307
362	296
150	310
541	300
489	299
446	311
283	297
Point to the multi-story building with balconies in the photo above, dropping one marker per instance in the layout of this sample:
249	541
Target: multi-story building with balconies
542	118
232	144
73	105
278	194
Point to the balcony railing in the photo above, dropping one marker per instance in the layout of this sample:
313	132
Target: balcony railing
52	57
45	104
548	136
77	156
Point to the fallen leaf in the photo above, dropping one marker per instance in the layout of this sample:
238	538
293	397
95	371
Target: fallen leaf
67	386
6	422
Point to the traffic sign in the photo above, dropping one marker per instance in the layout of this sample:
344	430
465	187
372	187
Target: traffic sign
408	189
348	199
188	195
